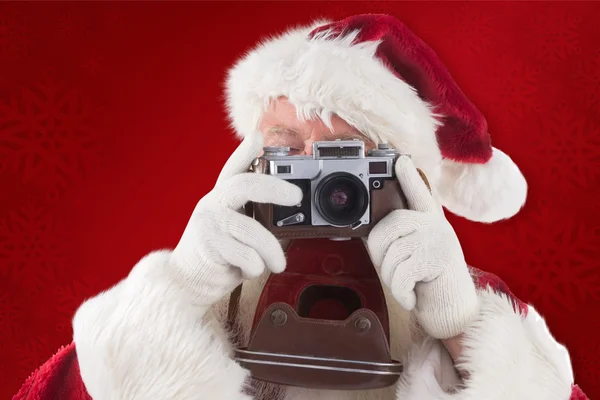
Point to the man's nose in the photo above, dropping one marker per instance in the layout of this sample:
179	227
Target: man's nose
308	148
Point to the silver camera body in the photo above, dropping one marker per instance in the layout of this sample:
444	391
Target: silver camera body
337	180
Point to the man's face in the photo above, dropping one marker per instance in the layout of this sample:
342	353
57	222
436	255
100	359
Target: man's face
281	127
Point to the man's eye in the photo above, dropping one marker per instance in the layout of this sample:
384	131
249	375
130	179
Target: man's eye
280	143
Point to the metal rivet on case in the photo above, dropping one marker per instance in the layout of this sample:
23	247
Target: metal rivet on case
278	317
362	324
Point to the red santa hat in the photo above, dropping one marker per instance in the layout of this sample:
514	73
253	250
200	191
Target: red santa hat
379	77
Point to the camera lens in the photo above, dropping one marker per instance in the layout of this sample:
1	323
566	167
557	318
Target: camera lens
341	198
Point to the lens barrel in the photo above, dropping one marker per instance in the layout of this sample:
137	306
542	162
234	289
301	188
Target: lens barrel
341	198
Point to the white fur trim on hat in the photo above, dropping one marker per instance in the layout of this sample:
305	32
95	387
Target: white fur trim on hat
483	192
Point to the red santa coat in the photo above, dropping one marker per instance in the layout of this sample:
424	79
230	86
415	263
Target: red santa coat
60	377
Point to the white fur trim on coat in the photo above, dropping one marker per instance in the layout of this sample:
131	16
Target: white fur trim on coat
145	339
324	76
505	356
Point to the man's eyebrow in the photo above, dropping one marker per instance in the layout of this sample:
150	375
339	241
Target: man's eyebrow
279	130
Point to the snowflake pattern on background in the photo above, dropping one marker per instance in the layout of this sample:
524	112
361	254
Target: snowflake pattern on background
30	353
47	133
342	9
69	294
473	28
569	157
585	72
586	360
32	245
91	65
12	329
33	250
14	38
560	33
585	80
555	261
113	17
72	21
47	326
587	363
12	313
588	100
513	85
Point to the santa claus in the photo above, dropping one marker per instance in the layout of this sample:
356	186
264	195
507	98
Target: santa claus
161	333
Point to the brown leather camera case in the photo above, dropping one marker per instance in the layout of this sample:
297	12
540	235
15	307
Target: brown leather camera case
304	336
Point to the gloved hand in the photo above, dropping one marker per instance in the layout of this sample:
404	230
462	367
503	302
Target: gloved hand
421	260
220	246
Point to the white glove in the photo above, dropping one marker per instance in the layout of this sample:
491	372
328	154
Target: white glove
220	246
421	260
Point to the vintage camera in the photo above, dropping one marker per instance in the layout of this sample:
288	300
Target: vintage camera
346	192
323	322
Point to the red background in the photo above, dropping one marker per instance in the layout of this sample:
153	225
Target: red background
112	128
